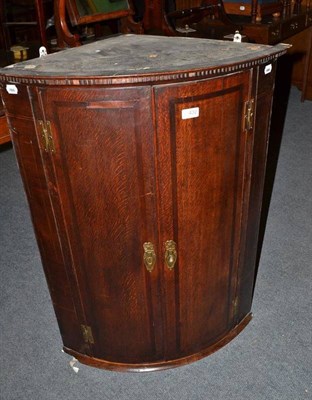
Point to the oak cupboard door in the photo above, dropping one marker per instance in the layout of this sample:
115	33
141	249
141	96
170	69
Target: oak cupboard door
203	162
103	169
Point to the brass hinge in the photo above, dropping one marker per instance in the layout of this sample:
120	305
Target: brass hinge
249	114
47	136
87	334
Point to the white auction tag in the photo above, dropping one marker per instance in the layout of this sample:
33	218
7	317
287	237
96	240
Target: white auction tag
11	89
267	69
190	113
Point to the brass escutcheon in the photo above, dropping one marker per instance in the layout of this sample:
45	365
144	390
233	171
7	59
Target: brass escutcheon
149	256
170	254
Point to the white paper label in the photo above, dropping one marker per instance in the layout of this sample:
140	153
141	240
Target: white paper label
242	8
11	89
267	69
190	113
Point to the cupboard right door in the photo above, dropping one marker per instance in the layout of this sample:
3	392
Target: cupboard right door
203	156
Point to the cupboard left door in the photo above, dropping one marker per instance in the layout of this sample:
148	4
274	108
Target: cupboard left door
105	205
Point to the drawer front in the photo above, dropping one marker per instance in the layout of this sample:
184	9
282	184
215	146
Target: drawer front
293	26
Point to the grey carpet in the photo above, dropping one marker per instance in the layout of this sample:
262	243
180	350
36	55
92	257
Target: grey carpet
271	359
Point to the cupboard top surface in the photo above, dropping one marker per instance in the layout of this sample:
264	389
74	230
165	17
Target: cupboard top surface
140	58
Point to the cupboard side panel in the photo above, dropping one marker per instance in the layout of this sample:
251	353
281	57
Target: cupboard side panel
264	100
105	179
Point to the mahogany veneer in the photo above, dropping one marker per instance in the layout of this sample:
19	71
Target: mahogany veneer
143	161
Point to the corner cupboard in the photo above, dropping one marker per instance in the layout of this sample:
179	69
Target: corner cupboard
143	160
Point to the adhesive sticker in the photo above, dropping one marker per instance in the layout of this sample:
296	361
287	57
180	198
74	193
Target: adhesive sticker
190	113
11	89
267	69
242	8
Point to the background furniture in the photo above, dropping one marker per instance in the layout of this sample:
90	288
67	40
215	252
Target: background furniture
296	29
81	13
24	21
293	26
182	20
256	9
143	161
302	68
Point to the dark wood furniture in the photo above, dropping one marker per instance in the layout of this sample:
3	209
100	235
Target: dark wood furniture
82	12
143	161
294	26
23	21
301	52
274	30
256	9
181	21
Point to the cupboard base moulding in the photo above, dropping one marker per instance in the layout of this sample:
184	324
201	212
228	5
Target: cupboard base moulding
157	366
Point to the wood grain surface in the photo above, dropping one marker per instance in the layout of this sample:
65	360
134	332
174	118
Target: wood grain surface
125	164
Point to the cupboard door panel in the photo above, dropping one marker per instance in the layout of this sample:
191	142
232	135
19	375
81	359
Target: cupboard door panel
104	172
201	160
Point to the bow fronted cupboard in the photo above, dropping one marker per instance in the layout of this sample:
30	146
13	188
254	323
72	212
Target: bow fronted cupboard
143	161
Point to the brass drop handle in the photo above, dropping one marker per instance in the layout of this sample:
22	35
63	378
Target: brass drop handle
149	256
170	254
